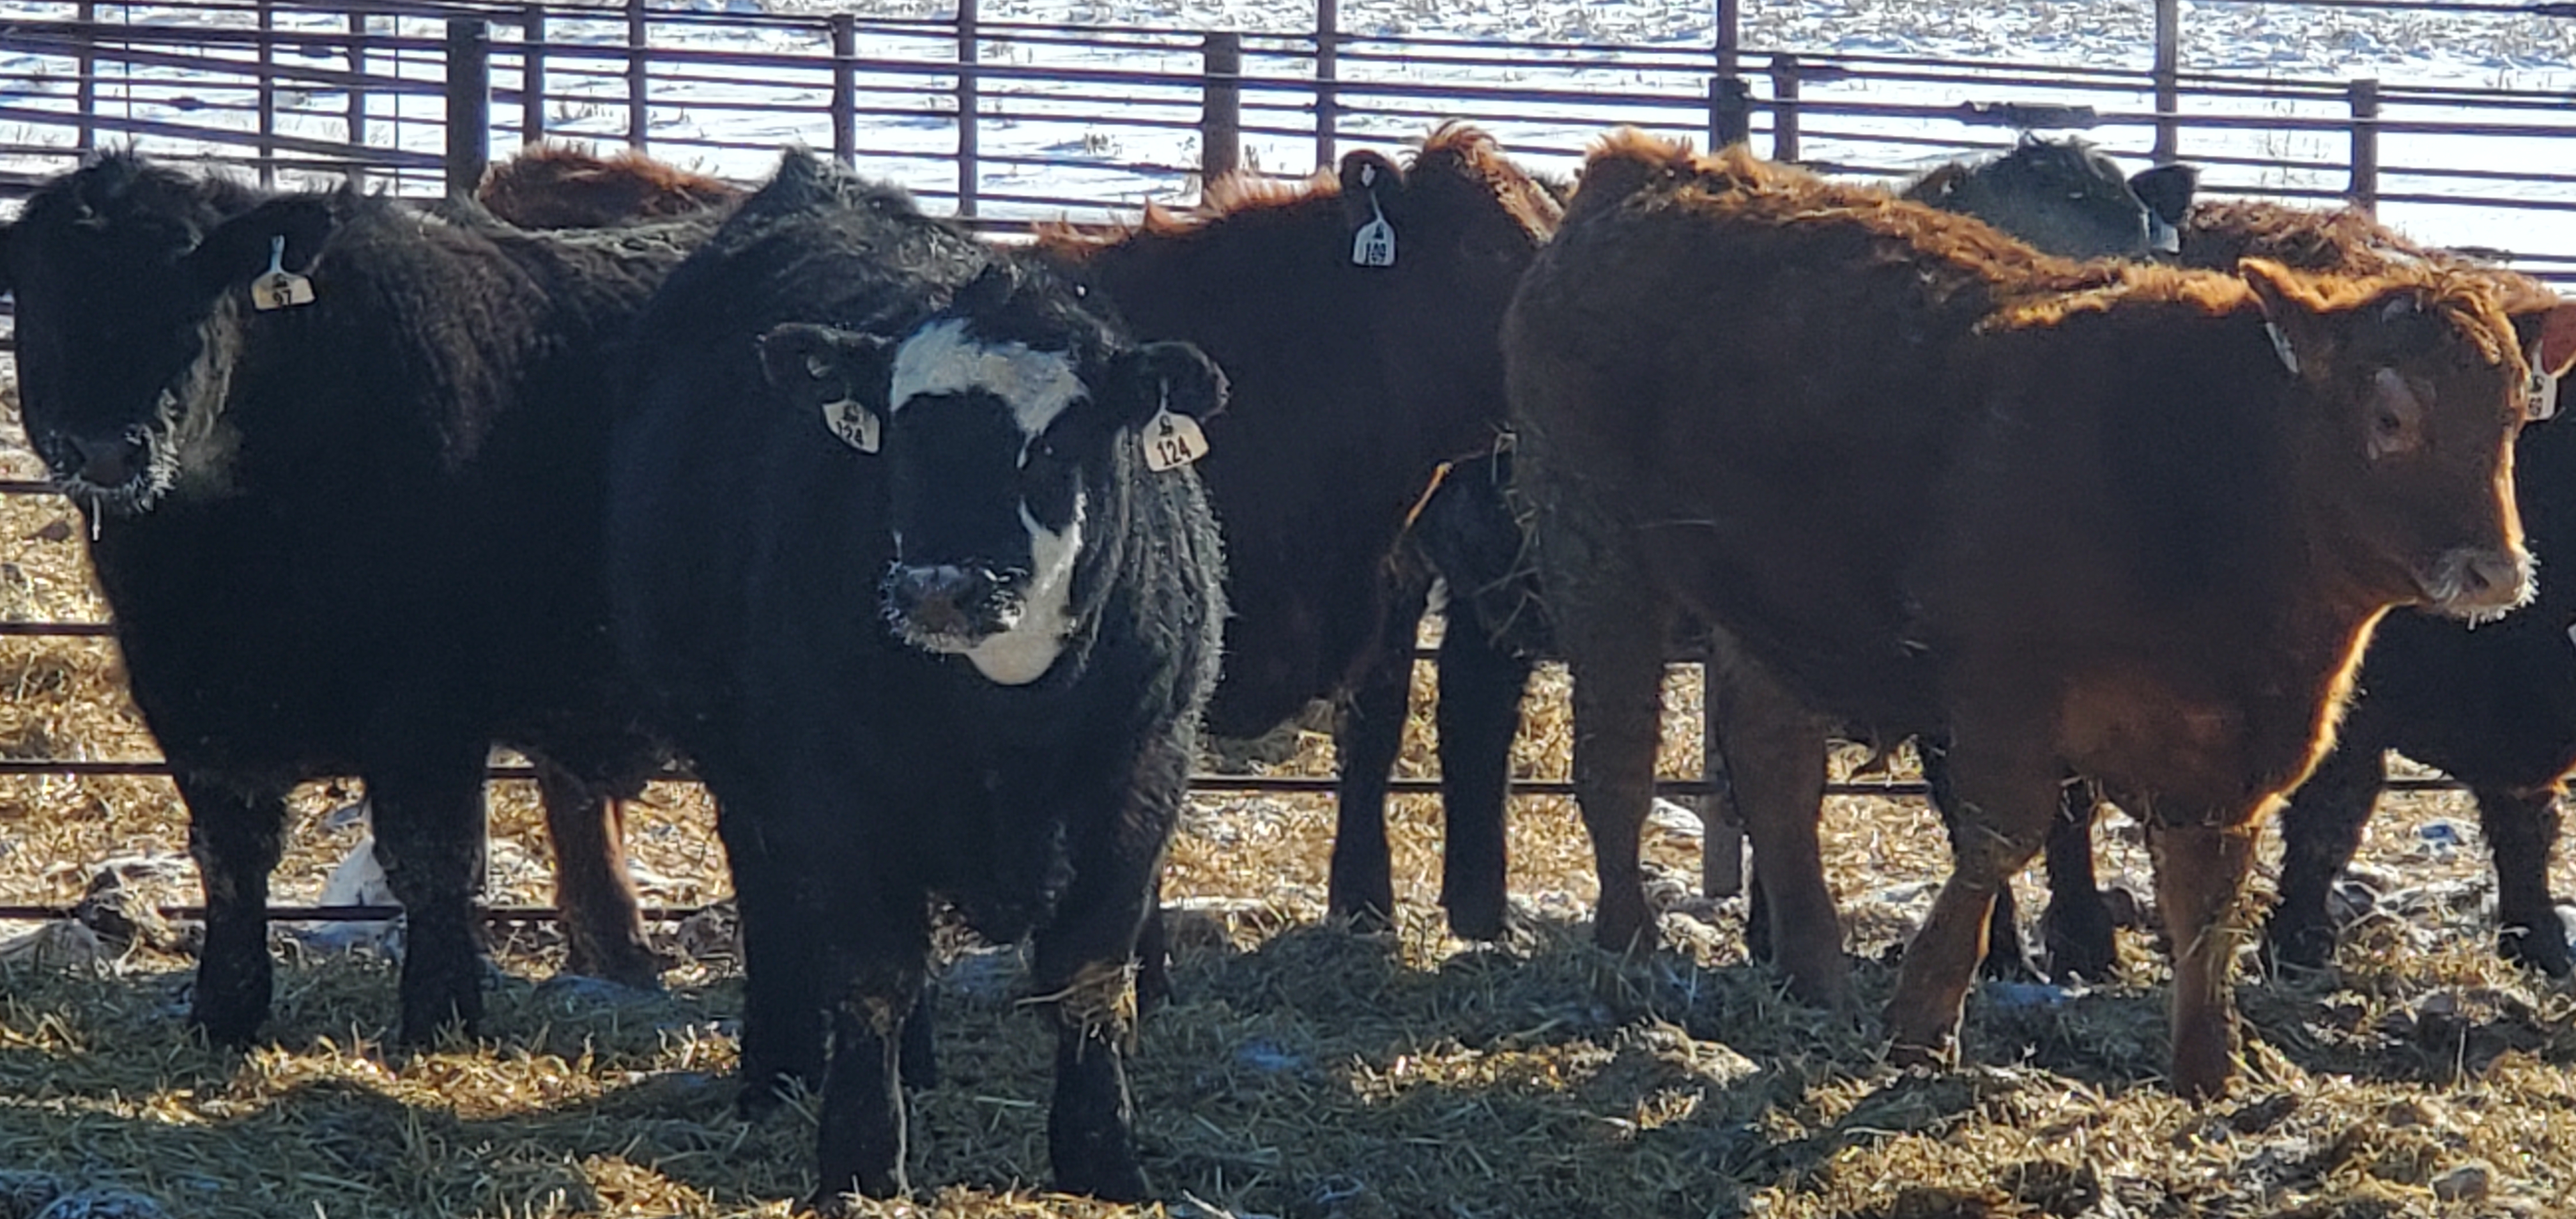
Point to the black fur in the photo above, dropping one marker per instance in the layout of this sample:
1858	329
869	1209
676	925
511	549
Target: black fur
373	553
859	777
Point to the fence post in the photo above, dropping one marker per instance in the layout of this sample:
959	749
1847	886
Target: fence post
267	56
1220	105
1784	107
357	97
2365	144
1328	72
532	75
845	89
2168	74
969	106
85	91
469	104
639	96
1730	111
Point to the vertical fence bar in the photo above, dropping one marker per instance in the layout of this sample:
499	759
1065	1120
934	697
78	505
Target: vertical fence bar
639	95
469	103
532	75
2364	190
1784	107
1729	37
2168	74
267	57
357	97
1220	105
1328	74
970	106
85	88
845	89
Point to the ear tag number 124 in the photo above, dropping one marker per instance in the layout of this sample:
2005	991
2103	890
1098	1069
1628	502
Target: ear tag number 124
277	287
1173	441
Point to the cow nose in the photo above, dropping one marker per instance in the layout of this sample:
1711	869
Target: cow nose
108	461
938	600
2484	580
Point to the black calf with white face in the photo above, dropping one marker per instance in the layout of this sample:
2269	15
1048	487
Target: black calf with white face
1002	420
131	282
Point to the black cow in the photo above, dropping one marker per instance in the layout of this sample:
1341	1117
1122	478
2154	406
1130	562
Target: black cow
933	620
343	463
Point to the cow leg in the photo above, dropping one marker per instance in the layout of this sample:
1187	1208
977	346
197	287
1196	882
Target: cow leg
2006	956
592	887
2081	943
782	996
2008	789
860	1141
1776	760
2522	834
1618	667
426	802
1368	735
2320	830
1085	968
1479	714
2200	882
236	839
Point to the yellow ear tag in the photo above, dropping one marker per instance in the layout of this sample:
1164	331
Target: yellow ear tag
1172	441
277	287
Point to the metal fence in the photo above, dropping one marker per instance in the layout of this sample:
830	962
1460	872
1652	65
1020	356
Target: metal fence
1003	120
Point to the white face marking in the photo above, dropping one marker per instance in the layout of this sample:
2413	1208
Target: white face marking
944	359
1025	652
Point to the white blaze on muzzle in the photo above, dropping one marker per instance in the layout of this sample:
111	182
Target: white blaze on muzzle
1037	387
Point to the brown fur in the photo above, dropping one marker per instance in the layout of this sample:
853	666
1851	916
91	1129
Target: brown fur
1350	385
558	186
1924	479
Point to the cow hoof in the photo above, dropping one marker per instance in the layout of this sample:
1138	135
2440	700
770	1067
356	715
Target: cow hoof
2077	951
1906	1056
2297	944
633	966
2535	949
1366	916
1115	1181
1485	922
229	1030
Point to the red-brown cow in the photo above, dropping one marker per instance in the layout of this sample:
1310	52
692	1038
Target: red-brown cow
2131	520
552	186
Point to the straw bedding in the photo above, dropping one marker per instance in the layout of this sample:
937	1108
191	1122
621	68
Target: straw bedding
1302	1072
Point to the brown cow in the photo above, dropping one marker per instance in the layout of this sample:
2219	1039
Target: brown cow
556	186
2131	520
1351	385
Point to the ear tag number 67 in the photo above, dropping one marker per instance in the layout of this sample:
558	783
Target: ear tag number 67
277	287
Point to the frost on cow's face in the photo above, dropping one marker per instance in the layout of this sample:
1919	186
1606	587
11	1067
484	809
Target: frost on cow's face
130	283
1002	421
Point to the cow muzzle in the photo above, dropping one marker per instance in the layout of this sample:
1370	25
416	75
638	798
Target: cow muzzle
117	470
948	608
2477	582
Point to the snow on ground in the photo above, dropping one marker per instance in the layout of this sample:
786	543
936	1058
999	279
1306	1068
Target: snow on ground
1051	146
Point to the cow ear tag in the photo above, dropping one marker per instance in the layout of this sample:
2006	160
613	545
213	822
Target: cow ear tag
1374	244
2539	397
856	425
277	287
2281	347
1172	441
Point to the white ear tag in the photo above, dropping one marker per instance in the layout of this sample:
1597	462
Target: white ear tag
856	425
1374	244
1172	441
277	287
2540	397
2281	348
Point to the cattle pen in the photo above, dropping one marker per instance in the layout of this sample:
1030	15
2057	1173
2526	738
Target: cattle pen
1540	1079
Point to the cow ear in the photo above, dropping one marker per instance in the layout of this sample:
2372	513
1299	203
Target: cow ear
2167	190
2548	337
1162	391
840	374
2291	313
288	230
1372	190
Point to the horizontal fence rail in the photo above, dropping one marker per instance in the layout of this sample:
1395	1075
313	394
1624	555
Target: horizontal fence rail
1005	121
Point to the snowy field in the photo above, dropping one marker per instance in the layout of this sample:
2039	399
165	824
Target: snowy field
749	77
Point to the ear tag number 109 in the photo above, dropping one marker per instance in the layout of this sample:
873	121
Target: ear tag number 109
1374	244
277	287
1173	441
